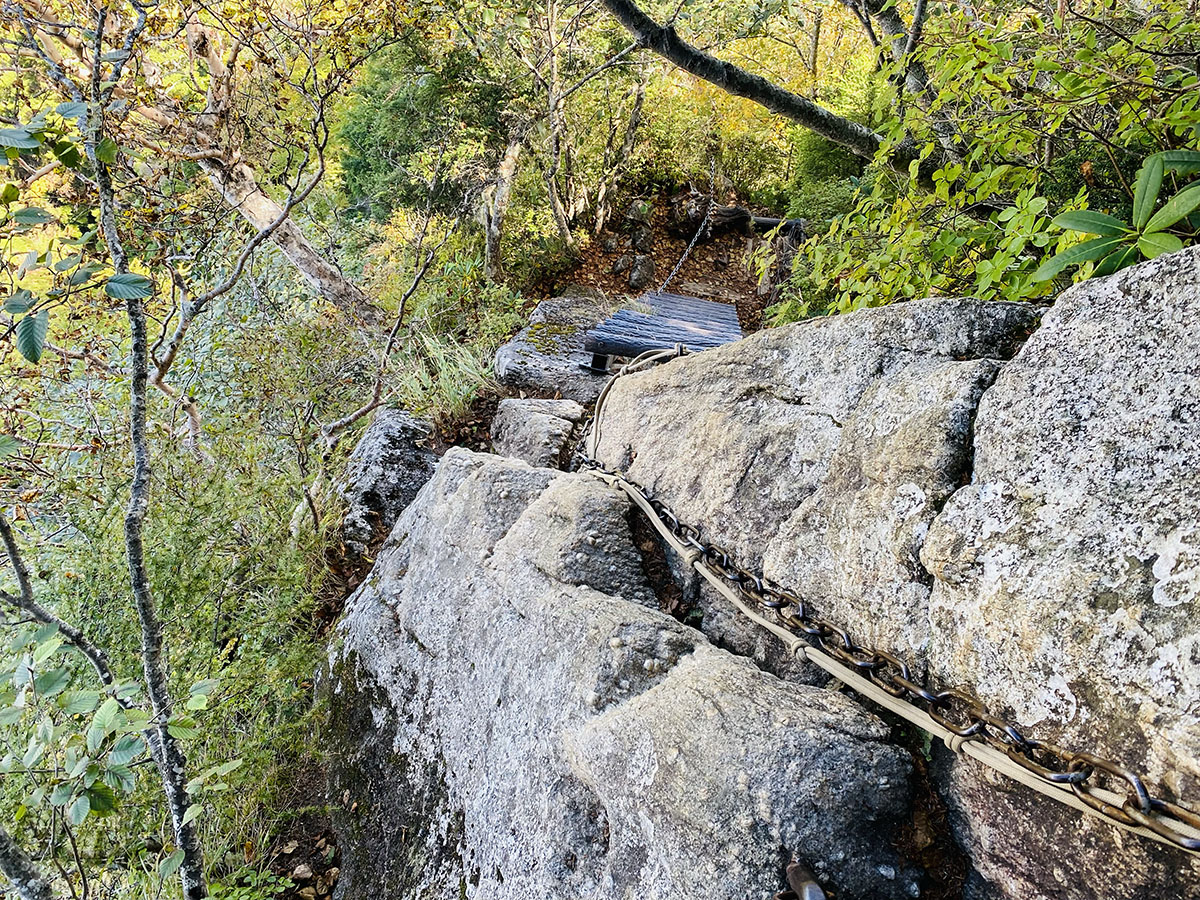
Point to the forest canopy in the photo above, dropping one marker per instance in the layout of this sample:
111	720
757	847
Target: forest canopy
231	232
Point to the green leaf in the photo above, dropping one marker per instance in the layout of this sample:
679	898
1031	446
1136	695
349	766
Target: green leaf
101	799
34	754
18	302
79	241
204	687
79	810
1085	252
71	110
120	778
32	215
75	703
193	813
182	728
52	683
106	151
1091	222
1182	162
10	194
62	793
128	748
84	274
45	648
106	717
11	715
18	138
31	335
1145	192
68	154
1182	204
170	865
8	445
1158	243
128	286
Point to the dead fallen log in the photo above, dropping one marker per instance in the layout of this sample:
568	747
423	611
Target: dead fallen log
688	214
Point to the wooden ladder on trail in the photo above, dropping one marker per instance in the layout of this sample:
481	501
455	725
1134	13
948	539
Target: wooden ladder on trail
669	319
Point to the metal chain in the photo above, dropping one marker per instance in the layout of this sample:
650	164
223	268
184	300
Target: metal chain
712	203
955	710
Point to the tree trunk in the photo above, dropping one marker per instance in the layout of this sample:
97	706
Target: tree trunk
609	185
495	208
554	120
170	759
814	50
842	131
239	188
21	871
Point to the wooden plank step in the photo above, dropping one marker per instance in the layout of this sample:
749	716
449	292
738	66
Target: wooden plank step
690	306
672	319
644	320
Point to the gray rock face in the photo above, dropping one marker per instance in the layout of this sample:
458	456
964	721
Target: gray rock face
536	431
641	273
1068	571
389	465
547	355
819	453
509	720
1027	528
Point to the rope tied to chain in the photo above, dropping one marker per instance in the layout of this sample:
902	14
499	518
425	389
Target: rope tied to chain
953	716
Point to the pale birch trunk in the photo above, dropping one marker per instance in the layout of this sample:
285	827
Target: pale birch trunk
495	208
239	188
21	871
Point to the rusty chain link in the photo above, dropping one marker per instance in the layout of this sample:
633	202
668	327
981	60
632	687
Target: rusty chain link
955	710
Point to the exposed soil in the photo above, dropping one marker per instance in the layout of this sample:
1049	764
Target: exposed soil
716	270
927	841
473	428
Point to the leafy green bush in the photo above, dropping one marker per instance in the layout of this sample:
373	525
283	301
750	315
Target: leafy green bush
394	131
1147	234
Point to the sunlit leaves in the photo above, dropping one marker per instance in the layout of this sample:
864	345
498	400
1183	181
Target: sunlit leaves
30	338
128	286
18	139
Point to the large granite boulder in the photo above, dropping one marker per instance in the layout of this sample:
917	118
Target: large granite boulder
547	356
1027	528
1068	575
509	719
821	452
390	463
